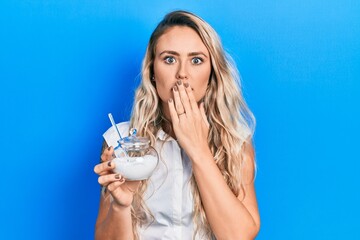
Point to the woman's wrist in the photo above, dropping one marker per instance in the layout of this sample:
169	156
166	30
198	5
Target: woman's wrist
119	208
200	155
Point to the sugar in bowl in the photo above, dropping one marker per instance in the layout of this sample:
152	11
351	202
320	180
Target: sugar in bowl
135	158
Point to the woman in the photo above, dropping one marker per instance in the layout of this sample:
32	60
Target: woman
189	104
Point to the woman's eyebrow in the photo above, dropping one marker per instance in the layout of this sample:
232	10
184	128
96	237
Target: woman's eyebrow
197	53
169	52
178	54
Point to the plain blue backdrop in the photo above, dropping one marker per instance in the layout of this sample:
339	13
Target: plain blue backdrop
65	64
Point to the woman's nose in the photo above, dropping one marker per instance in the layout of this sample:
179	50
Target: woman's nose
182	73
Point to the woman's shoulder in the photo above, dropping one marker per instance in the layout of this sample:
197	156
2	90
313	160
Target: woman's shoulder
111	136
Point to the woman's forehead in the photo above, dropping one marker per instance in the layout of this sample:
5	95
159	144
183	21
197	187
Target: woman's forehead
180	39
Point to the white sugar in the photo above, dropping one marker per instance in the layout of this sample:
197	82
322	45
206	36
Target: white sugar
137	168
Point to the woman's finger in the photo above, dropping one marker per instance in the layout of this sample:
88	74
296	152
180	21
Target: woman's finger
173	113
104	167
105	180
177	101
203	114
192	100
114	185
107	154
184	97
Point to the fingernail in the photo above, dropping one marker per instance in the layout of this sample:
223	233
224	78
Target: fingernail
122	179
178	82
186	84
175	88
117	176
170	100
109	164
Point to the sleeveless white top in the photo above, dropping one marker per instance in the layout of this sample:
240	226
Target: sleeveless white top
168	195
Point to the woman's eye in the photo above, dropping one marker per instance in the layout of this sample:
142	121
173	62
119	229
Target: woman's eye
169	60
196	60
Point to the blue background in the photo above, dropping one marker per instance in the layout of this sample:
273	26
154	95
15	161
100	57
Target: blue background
65	64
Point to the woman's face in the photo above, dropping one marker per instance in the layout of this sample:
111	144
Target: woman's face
180	54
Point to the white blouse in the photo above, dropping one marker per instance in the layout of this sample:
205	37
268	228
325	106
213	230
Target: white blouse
168	195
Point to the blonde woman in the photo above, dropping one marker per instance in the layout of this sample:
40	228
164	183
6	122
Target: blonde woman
190	105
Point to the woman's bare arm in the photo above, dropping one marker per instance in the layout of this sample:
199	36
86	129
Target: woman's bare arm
230	217
114	220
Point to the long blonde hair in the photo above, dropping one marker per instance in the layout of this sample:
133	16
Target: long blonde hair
231	121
